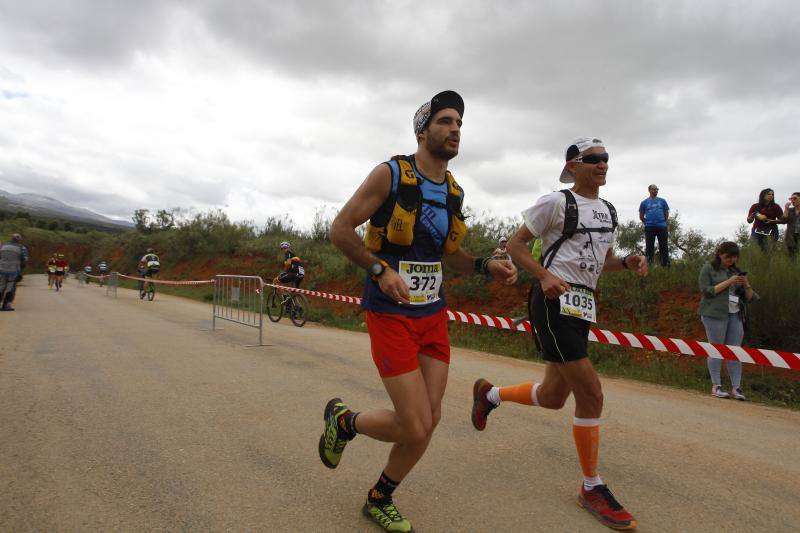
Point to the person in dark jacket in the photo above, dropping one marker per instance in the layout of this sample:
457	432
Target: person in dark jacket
791	217
725	291
765	217
13	257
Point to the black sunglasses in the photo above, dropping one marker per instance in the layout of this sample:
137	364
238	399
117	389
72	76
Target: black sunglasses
592	159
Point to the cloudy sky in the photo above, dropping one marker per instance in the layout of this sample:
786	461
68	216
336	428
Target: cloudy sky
264	108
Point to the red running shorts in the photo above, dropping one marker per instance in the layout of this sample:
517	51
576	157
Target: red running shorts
398	340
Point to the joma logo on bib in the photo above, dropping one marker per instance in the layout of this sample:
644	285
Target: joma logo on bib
421	268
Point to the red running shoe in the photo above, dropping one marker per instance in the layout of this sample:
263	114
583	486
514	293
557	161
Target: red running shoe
481	407
601	503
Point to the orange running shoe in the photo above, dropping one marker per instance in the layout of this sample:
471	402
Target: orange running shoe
481	407
601	503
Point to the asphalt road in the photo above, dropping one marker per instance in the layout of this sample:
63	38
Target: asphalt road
119	414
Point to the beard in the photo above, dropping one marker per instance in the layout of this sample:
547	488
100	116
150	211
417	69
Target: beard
440	150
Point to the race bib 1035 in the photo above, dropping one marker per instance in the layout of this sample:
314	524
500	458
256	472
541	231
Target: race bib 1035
579	302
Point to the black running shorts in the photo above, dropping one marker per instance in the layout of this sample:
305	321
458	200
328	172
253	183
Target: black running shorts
562	338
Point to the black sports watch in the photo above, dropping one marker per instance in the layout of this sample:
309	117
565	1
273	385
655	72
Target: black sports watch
377	269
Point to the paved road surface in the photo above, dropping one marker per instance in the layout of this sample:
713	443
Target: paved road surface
118	414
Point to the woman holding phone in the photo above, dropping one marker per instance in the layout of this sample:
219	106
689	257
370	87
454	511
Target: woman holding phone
725	292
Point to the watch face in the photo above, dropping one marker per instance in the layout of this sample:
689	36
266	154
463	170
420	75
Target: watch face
377	269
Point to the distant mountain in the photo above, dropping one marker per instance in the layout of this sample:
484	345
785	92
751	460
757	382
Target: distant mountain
46	207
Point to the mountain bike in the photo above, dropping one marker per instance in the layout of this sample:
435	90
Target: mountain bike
294	305
150	291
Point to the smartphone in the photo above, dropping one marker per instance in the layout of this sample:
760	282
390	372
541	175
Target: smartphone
742	273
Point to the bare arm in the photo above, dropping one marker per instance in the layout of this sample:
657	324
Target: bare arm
365	201
362	205
517	247
636	263
462	261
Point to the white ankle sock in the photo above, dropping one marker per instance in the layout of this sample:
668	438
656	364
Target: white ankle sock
591	482
494	395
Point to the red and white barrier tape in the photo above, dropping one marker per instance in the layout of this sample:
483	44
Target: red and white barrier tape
338	297
757	356
166	282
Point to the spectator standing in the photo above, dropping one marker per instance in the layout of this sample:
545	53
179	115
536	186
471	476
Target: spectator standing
765	217
725	292
791	217
654	213
8	298
12	260
501	252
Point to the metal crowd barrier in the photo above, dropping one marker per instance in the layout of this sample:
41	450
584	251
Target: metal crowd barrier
239	299
112	283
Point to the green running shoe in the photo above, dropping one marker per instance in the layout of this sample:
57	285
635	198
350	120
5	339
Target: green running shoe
386	515
331	445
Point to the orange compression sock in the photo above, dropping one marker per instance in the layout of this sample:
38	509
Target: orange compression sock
517	393
586	432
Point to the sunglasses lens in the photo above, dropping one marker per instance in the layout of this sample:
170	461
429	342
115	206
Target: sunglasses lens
593	159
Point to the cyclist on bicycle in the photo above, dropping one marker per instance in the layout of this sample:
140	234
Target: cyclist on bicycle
149	265
294	271
293	265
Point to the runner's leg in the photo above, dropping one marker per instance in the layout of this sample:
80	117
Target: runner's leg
405	455
410	422
587	391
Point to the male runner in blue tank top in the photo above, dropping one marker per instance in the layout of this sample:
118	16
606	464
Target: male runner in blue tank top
405	306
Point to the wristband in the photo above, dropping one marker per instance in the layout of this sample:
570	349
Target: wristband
485	266
624	264
481	265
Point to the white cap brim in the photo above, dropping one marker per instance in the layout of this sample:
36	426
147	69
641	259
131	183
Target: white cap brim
566	176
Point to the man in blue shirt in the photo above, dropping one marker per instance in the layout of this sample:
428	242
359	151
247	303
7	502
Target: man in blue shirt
654	212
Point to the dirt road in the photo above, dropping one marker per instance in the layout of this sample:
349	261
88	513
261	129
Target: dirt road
119	414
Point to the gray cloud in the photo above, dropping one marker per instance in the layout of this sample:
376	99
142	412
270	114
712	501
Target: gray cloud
89	33
672	86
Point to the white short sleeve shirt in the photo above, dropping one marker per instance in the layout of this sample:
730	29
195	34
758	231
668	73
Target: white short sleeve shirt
580	259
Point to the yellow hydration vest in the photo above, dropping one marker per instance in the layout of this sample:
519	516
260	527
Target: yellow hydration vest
391	228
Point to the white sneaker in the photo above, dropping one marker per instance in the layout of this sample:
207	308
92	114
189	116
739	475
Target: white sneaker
717	391
737	394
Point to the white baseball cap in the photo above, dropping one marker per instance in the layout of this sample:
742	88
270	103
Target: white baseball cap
576	148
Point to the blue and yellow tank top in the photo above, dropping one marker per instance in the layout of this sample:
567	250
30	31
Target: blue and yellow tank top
428	246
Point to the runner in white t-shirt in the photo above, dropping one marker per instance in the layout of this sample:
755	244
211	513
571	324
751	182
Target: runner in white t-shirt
562	308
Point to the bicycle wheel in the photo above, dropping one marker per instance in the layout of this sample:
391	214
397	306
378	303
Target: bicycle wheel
299	310
274	306
151	292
